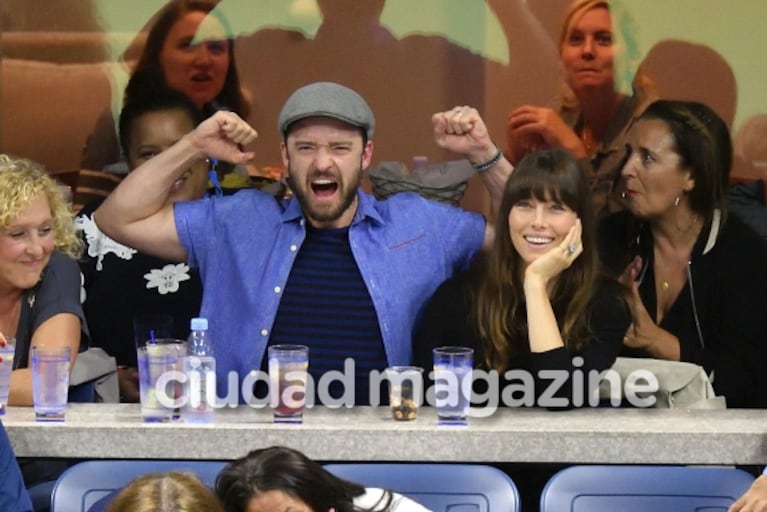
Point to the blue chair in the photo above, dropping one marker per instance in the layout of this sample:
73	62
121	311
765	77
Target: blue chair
82	485
439	487
642	488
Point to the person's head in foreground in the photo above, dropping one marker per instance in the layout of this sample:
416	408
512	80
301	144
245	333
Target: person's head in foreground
327	130
165	492
280	479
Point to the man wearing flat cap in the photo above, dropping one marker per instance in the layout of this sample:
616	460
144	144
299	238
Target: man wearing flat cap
332	268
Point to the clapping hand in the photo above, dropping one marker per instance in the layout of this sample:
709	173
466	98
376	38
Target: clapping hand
541	127
643	330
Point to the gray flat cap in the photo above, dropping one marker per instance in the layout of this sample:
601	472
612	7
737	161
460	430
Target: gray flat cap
327	99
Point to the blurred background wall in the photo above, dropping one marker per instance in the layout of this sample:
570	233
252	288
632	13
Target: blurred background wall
65	61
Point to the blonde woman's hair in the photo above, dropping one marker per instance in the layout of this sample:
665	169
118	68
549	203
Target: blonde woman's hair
166	492
21	182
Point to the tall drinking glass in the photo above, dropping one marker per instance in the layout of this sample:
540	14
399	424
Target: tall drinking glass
50	381
452	384
288	366
6	367
159	372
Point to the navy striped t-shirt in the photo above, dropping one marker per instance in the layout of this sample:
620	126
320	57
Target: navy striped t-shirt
326	306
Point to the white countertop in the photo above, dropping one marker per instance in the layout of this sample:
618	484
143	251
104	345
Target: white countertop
603	435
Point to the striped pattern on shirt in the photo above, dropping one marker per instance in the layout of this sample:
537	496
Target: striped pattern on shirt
326	306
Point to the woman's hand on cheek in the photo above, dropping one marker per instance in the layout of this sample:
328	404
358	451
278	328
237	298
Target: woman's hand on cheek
559	258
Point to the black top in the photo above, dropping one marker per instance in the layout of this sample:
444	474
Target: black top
445	321
121	284
718	316
58	291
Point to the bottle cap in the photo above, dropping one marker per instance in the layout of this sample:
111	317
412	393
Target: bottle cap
199	324
419	162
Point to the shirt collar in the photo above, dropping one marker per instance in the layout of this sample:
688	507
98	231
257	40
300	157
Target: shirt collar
713	232
367	208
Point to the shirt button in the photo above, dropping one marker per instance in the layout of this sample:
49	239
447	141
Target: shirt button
277	289
293	248
264	332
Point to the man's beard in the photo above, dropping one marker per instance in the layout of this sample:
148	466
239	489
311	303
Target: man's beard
323	215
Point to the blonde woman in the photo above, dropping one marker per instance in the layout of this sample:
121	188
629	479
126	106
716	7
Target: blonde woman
39	276
160	492
592	119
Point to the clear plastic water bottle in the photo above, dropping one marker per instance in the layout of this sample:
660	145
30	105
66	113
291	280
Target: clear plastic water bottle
200	371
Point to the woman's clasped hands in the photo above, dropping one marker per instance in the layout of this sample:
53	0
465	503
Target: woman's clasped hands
532	128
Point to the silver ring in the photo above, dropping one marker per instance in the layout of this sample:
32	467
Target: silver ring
460	113
571	249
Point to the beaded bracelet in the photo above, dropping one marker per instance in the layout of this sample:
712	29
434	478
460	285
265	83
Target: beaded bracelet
490	163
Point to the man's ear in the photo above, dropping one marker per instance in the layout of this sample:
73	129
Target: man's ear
367	154
284	154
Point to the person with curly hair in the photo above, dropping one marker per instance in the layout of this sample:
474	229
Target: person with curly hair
39	275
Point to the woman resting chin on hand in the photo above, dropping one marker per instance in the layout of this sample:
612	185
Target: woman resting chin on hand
536	300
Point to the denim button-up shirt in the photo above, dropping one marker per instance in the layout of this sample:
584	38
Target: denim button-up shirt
245	246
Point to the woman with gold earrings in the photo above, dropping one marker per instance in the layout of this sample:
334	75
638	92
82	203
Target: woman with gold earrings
698	276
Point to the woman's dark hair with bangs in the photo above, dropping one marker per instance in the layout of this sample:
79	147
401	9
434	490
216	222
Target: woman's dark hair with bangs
552	174
703	143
